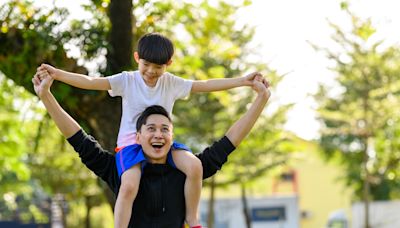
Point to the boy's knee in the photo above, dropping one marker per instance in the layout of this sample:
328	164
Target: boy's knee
196	168
127	189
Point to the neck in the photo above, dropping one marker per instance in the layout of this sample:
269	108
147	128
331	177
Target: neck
150	83
157	161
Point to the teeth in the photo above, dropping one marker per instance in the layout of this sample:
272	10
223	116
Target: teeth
157	144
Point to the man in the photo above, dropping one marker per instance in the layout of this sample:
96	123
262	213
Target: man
160	201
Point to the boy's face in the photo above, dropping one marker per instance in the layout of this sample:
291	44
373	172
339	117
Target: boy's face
156	138
150	71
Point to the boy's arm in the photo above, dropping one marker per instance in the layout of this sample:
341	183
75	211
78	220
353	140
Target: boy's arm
212	85
76	80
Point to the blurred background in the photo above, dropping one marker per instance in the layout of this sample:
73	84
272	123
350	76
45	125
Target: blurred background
325	153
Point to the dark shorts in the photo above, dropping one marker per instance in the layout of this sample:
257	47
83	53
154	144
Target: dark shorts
131	155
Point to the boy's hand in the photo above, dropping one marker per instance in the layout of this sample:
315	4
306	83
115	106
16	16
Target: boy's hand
248	79
53	72
42	82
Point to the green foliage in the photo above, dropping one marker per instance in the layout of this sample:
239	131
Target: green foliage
360	118
13	127
35	162
208	45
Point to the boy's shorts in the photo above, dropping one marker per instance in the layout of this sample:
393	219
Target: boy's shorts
131	155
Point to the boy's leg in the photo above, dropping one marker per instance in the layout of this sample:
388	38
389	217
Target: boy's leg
191	166
128	190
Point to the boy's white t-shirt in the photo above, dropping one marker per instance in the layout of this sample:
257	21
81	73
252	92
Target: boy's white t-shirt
137	96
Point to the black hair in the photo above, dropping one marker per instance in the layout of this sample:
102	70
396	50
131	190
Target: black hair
151	110
155	48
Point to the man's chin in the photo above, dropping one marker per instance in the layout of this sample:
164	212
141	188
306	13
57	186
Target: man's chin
159	152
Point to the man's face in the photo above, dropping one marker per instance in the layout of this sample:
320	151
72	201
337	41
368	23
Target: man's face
156	138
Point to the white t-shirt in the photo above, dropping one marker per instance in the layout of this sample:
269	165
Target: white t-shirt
137	96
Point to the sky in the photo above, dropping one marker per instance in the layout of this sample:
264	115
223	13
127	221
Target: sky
284	31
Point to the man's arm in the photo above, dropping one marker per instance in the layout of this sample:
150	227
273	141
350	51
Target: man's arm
239	130
67	125
76	80
91	153
213	157
212	85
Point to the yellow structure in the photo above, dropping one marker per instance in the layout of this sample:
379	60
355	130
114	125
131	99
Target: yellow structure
315	182
317	185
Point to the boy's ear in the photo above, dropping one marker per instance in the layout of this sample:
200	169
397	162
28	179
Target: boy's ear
169	62
136	56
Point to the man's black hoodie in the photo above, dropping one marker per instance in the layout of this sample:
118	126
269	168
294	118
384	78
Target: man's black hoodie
160	202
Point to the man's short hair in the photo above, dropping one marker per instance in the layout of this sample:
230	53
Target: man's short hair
155	48
151	110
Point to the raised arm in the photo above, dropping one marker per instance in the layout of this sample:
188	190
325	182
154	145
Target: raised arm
214	156
238	131
76	80
42	83
219	84
91	153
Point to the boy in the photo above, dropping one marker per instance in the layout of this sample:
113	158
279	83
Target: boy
150	85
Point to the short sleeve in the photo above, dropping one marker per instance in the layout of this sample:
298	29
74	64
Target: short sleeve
118	84
181	86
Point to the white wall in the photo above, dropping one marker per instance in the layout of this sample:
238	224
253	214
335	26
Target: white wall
382	214
228	212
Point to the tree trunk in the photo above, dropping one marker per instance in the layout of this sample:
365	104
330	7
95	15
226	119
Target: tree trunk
97	112
210	218
88	209
245	206
365	138
366	189
119	56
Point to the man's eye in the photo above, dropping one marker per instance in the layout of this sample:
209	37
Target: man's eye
165	129
150	128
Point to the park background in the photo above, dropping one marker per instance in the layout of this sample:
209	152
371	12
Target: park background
329	136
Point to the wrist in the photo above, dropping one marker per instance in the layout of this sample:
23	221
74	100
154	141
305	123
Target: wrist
57	74
265	94
45	94
243	81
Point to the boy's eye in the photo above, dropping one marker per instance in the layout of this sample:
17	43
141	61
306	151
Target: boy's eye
165	129
151	128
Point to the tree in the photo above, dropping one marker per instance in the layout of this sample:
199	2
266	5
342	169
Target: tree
359	123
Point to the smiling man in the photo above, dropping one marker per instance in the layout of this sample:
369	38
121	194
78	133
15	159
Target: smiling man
160	202
154	129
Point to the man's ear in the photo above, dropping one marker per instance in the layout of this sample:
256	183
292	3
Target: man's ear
169	62
138	138
136	56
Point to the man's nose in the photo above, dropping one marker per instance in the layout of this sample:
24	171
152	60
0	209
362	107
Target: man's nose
158	134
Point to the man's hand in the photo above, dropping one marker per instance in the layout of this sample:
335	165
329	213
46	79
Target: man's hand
53	72
42	82
261	85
